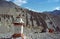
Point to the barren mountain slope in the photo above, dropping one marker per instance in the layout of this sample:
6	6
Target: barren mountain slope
35	23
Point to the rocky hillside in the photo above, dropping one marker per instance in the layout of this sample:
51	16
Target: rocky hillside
31	19
35	22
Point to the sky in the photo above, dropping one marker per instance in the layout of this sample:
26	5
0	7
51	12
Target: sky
38	5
